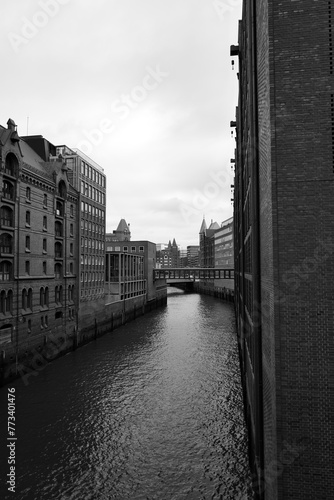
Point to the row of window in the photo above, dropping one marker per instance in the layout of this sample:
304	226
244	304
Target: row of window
5	240
86	208
6	269
91	243
125	249
91	227
92	174
91	260
94	194
27	297
92	277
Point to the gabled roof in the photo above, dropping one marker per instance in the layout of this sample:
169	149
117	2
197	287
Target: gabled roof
214	225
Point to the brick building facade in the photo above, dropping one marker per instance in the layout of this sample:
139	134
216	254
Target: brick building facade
284	221
38	249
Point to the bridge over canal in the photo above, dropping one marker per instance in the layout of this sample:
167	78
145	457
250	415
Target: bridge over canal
192	274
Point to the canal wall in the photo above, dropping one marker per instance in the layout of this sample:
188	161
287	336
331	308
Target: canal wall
30	357
209	288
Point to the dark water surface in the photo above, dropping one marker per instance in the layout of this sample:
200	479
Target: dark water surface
152	411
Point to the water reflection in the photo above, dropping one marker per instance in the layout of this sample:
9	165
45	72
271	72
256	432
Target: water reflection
151	411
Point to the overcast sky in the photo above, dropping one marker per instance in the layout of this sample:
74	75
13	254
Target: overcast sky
144	87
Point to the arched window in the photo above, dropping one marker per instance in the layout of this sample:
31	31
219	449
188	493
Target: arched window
7	218
46	296
8	190
28	193
59	209
5	271
59	294
58	250
9	302
24	299
3	302
62	189
6	243
58	229
27	242
11	165
41	297
58	271
29	301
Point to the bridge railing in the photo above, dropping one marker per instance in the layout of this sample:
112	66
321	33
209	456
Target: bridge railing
193	273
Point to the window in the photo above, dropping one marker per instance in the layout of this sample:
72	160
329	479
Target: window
27	218
58	229
45	223
71	267
125	249
141	249
46	322
71	230
29	326
6	245
44	245
133	249
59	209
44	267
58	270
27	243
28	194
9	302
41	297
3	302
11	164
24	299
62	189
71	249
27	267
7	217
29	299
58	250
71	210
8	190
42	322
45	201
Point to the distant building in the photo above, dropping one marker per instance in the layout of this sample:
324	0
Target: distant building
193	252
170	256
183	257
207	244
122	233
89	179
223	237
129	271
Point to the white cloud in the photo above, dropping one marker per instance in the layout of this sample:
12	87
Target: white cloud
89	55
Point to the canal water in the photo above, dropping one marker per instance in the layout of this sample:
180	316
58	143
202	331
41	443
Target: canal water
151	411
